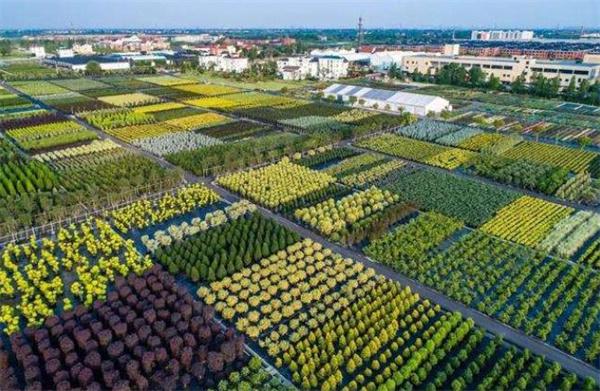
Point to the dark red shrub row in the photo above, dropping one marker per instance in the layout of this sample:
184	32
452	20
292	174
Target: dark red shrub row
148	334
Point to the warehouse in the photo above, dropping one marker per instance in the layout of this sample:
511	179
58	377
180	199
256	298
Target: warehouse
79	63
388	100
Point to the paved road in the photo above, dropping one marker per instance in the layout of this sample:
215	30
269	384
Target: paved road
491	325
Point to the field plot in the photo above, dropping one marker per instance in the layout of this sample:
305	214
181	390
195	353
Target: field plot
117	118
95	147
491	142
207	89
234	240
134	132
80	84
169	143
464	199
153	108
569	234
325	156
573	159
355	216
59	260
402	147
512	283
74	102
132	339
30	70
10	101
232	131
197	121
128	100
277	184
428	130
164	80
527	220
523	173
305	293
49	135
144	213
39	88
223	158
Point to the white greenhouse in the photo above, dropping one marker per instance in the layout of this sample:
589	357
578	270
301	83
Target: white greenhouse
417	104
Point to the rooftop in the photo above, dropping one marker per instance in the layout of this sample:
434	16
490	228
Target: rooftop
79	60
389	96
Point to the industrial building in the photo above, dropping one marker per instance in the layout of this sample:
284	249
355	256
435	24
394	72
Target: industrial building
79	63
374	98
224	63
505	68
323	68
502	35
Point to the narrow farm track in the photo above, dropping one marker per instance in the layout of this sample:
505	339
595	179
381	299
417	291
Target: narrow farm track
491	325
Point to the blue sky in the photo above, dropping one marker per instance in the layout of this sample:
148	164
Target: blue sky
297	13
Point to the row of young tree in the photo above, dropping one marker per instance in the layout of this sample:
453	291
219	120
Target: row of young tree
458	75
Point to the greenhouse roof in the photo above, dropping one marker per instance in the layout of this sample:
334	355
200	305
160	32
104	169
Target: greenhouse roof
396	97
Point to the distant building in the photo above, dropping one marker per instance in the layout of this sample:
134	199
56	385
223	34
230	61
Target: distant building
65	53
297	68
224	63
501	35
592	58
451	50
38	51
84	49
322	68
417	104
506	69
79	63
199	38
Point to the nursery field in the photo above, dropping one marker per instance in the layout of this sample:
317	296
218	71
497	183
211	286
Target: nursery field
564	172
172	231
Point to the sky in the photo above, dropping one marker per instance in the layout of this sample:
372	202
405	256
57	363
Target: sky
59	14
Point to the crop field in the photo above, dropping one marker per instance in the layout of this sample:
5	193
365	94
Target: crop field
50	135
80	84
207	89
215	234
527	220
444	193
39	88
128	100
163	80
572	159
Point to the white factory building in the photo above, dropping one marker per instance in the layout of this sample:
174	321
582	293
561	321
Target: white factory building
224	63
322	68
417	104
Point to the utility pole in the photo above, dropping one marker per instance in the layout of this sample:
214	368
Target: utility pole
359	37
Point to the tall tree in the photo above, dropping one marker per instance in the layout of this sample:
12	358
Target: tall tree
553	87
5	47
93	68
476	77
494	82
518	85
570	91
584	88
